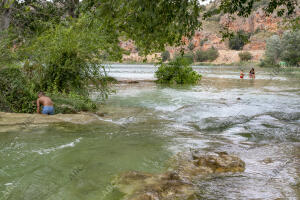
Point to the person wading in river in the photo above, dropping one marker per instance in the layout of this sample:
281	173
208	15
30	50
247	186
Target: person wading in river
48	108
242	74
252	73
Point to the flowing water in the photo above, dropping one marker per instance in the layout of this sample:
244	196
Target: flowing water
145	124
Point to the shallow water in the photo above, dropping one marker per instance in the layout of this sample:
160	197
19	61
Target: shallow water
146	124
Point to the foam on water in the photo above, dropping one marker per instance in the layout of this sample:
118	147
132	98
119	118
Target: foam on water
49	150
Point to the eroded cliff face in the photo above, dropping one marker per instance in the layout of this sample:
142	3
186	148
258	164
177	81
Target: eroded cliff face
258	24
256	21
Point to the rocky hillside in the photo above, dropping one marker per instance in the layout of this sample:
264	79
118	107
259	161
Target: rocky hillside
258	25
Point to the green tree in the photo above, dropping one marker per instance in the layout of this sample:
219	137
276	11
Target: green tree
273	50
16	95
285	49
291	47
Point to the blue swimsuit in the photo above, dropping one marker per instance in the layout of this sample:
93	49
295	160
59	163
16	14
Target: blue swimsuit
48	110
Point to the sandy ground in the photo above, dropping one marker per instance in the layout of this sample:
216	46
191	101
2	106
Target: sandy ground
225	56
232	56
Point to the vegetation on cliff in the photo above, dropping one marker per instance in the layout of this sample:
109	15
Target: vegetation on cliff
208	55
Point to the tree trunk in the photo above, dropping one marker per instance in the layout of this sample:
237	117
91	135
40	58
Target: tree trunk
73	8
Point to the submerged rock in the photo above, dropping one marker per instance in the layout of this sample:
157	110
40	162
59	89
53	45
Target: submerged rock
144	186
11	121
177	182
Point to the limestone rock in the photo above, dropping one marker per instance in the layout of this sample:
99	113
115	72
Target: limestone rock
177	182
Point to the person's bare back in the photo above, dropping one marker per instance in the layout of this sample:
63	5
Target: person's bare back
46	102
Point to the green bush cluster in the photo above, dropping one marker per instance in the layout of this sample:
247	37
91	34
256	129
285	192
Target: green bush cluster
189	57
19	94
65	61
245	56
177	71
191	46
208	55
60	61
238	41
165	56
203	41
72	102
16	94
285	48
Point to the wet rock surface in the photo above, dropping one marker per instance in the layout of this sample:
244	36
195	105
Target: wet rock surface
13	121
177	182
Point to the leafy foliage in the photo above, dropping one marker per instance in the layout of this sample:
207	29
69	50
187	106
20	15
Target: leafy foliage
152	23
245	7
177	71
208	55
273	51
291	48
189	57
238	41
71	102
165	56
16	95
191	46
245	56
68	58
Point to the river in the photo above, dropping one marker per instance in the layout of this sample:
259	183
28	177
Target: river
145	124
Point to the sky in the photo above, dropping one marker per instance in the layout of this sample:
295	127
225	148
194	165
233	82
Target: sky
204	1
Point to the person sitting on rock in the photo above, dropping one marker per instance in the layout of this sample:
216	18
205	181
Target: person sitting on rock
48	108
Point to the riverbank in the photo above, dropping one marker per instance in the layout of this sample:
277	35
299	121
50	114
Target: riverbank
237	63
14	121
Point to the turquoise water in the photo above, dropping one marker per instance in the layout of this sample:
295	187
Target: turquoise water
145	124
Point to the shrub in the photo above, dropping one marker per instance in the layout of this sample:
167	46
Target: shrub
238	41
245	56
208	55
191	46
177	71
16	95
189	57
71	103
67	58
165	56
203	41
212	54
